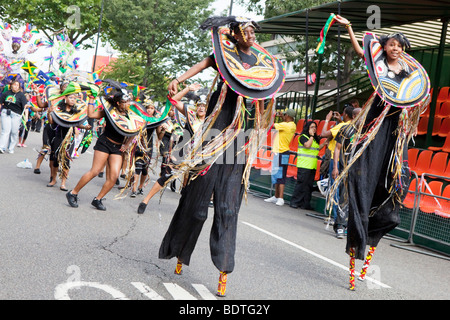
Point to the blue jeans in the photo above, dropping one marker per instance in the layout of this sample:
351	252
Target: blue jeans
10	130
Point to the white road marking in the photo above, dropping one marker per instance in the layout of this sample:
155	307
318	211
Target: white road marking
204	292
312	253
62	290
147	291
177	292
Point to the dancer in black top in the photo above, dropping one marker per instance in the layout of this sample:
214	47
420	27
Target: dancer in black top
225	180
108	151
378	171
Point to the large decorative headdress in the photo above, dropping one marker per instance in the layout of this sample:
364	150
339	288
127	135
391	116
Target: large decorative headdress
259	81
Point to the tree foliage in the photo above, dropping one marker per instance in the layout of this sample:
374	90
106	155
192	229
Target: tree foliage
79	17
164	33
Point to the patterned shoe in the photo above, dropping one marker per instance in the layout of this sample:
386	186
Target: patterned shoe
222	284
179	268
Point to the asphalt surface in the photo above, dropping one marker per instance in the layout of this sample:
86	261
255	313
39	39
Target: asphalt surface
51	251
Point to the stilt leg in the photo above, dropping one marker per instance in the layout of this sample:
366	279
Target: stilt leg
178	268
222	284
352	269
366	263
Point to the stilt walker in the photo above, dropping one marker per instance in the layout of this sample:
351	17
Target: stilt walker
239	61
377	171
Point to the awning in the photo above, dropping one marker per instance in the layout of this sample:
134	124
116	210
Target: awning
418	20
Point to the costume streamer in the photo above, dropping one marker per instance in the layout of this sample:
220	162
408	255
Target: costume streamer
323	34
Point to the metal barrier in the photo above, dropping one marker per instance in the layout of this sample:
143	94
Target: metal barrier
427	229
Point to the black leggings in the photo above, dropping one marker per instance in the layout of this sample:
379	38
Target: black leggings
224	181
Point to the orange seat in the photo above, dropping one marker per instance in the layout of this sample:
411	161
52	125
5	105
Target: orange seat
293	146
269	138
257	162
412	157
324	148
445	127
444	110
445	147
300	124
408	202
447	172
422	127
436	126
427	202
320	126
266	160
443	95
423	162
292	167
438	163
317	177
444	210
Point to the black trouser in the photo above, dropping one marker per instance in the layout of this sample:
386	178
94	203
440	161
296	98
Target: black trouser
369	180
303	188
224	181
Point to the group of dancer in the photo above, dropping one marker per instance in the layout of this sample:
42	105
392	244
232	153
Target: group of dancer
375	178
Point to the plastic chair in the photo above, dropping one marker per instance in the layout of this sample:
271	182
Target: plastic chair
444	211
269	138
442	95
300	124
408	202
445	147
257	163
438	164
447	172
292	167
444	110
317	176
321	125
324	148
412	157
428	203
266	160
423	162
436	126
293	146
445	127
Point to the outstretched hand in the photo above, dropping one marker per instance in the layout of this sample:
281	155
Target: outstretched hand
173	87
341	20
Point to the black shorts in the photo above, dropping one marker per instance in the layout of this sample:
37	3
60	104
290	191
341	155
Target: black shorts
141	167
106	146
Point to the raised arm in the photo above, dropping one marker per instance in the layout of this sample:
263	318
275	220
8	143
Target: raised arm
202	65
94	114
348	26
177	97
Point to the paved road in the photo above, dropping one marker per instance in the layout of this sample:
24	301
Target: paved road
51	251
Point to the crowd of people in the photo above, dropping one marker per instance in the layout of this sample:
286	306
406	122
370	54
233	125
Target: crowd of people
206	180
309	145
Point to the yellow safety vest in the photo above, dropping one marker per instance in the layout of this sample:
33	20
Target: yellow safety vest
307	158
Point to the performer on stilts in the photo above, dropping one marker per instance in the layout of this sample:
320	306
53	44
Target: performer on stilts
378	173
246	71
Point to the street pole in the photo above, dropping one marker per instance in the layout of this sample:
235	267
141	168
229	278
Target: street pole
98	37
